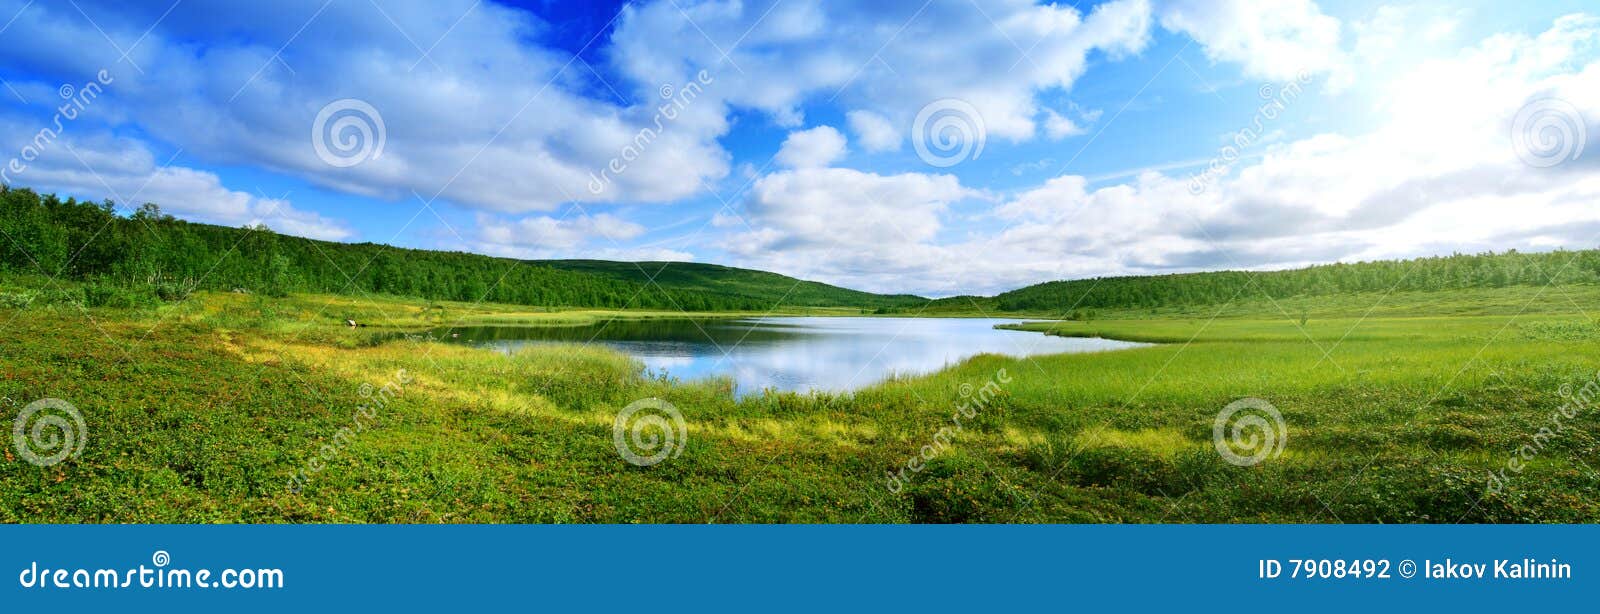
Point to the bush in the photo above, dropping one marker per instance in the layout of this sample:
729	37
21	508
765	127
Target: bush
101	294
955	488
172	292
17	300
1129	468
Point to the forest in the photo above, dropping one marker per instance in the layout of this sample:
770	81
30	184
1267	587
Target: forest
149	256
1442	273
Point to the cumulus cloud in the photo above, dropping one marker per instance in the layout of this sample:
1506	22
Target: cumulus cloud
1446	171
484	119
558	233
873	131
874	57
577	235
1394	30
1442	174
1277	43
97	165
819	146
838	224
1058	126
479	113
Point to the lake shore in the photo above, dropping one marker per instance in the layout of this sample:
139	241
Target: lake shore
202	411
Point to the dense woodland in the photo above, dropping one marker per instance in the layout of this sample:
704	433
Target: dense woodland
741	282
149	255
1424	274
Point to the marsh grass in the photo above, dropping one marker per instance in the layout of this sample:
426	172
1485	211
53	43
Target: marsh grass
198	410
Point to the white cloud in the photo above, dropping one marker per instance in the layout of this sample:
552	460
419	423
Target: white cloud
819	146
1440	174
880	57
1058	127
97	166
836	224
873	131
1278	43
558	233
597	236
487	119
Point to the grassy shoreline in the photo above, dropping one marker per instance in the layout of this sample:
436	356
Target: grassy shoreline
202	410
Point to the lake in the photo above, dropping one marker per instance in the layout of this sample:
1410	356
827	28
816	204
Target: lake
793	353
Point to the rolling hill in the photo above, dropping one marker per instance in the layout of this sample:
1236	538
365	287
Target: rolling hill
721	280
150	256
1075	298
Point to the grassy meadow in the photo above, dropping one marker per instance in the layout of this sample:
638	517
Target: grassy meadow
1397	407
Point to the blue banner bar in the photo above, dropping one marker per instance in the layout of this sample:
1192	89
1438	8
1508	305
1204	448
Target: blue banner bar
765	568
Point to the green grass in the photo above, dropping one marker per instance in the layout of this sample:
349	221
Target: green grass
200	411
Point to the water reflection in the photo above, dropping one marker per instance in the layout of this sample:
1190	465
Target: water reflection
792	353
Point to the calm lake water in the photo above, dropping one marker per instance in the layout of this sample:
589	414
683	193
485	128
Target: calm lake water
794	353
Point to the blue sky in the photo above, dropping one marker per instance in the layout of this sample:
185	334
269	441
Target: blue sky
1058	141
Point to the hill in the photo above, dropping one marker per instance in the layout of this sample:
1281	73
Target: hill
1079	298
149	256
730	281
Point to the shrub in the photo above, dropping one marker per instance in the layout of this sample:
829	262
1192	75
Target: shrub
100	294
172	292
17	300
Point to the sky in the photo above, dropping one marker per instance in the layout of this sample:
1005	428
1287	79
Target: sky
936	147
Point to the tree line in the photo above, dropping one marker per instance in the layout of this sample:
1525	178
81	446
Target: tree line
153	254
1458	271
